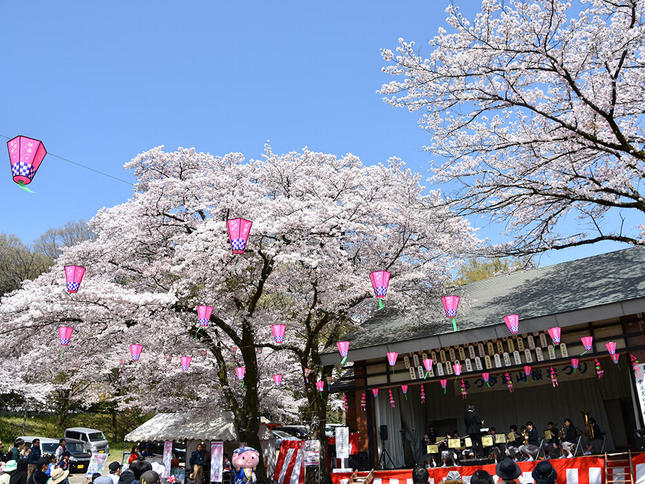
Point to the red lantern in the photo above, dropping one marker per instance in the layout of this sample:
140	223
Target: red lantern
25	156
238	233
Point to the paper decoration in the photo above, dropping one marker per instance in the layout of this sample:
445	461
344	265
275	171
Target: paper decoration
486	377
65	334
25	157
555	335
587	342
307	373
450	305
73	278
615	358
391	398
427	364
363	404
444	382
527	372
423	394
464	393
343	349
375	392
599	371
528	357
184	361
345	404
512	323
239	373
277	379
404	389
478	363
380	282
320	385
554	377
204	315
238	233
457	368
575	363
135	352
611	347
391	359
509	382
278	331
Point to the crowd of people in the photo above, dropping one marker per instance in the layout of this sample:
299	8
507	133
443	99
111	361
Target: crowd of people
507	470
524	444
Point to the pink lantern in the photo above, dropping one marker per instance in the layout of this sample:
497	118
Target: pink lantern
65	334
527	370
611	347
184	361
587	342
320	385
135	352
575	363
73	277
404	389
555	335
486	377
238	233
427	364
423	394
375	392
239	372
391	357
307	373
380	282
450	305
204	315
277	379
615	358
444	382
512	323
343	349
278	332
25	156
457	368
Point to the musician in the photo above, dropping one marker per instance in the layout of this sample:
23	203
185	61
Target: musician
495	452
569	437
531	448
513	446
551	445
428	439
594	445
473	428
448	455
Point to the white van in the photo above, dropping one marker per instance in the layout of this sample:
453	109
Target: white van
93	439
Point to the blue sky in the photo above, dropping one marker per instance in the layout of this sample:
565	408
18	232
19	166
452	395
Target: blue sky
99	82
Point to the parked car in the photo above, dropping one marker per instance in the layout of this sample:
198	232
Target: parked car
280	436
299	431
93	439
78	461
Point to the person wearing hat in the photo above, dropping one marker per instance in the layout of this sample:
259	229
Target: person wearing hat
481	477
115	471
508	471
544	473
452	477
58	475
9	467
150	477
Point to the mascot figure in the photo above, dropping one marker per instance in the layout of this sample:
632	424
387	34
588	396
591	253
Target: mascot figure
245	460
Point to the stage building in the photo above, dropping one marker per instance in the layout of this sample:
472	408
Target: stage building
601	296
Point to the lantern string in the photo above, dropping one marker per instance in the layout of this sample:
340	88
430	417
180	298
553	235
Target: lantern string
76	163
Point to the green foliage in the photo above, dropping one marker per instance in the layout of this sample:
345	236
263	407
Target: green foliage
480	268
18	263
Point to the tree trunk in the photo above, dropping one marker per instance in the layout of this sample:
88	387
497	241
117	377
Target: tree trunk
114	425
62	409
318	411
24	423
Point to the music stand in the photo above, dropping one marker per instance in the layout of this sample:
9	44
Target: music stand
385	456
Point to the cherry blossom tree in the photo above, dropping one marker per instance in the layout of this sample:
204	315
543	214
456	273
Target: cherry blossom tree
321	224
536	109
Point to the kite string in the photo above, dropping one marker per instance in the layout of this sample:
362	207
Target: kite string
76	163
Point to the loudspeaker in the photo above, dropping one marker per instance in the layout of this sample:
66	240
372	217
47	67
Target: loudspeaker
383	432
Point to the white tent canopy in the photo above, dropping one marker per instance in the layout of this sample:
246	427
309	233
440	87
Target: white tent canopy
191	425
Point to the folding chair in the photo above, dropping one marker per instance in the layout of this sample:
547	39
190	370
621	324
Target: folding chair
578	446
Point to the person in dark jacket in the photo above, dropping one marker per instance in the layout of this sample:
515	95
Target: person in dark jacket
16	450
197	459
570	438
19	476
531	448
33	457
39	476
473	429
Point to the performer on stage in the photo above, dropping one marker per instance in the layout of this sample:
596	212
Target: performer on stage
551	442
514	442
594	444
473	428
495	452
569	438
531	448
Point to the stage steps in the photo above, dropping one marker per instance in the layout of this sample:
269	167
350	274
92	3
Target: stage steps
355	478
619	468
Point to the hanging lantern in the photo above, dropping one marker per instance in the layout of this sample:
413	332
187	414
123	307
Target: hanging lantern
464	393
73	277
25	156
555	335
135	352
363	403
527	371
423	394
512	323
486	377
278	332
427	364
277	379
65	334
380	282
320	385
457	368
343	349
239	373
554	377
391	359
587	342
450	305
575	363
599	371
204	353
615	358
638	370
234	350
185	362
391	398
307	373
204	315
509	382
375	392
238	233
404	389
611	347
444	382
345	404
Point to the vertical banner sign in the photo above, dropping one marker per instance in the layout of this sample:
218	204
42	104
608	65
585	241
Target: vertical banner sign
217	461
167	458
342	442
97	464
639	376
312	453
